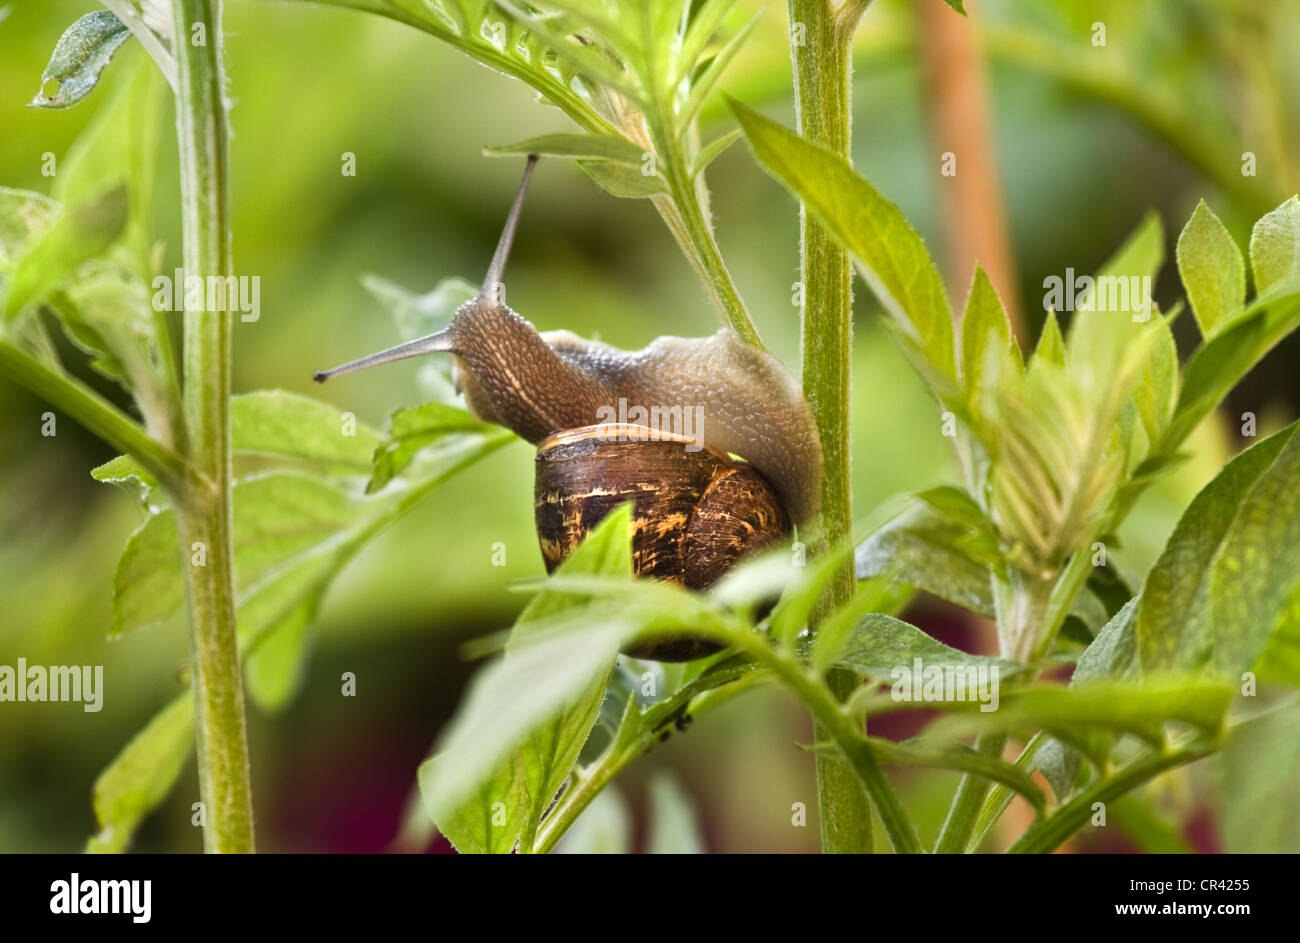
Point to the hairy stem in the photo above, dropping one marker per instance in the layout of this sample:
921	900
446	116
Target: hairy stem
685	217
821	42
204	515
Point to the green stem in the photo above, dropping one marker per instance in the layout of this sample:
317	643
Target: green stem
1047	834
1000	797
822	61
831	717
968	801
204	516
684	216
588	783
98	415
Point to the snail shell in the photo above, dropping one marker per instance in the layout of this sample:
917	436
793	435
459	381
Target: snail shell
696	513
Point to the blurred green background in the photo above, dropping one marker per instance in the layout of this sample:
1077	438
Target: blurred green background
1079	164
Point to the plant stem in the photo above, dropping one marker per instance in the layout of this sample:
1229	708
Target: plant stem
968	801
834	721
204	515
822	60
1047	834
685	218
589	782
98	415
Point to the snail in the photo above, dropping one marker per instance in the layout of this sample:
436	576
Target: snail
706	492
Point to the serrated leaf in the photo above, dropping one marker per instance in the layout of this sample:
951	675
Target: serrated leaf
1212	270
411	430
140	777
549	753
545	673
277	517
891	255
1175	624
287	426
1275	246
490	823
79	57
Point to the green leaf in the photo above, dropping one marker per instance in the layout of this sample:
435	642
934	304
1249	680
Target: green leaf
1212	270
956	5
1117	706
126	472
1218	364
880	645
1051	345
411	430
490	823
1112	656
79	56
77	234
277	517
120	147
141	775
674	826
1275	246
549	753
921	549
1100	339
295	428
622	180
608	147
891	255
713	150
1176	627
545	673
1260	766
989	354
147	585
274	668
1253	583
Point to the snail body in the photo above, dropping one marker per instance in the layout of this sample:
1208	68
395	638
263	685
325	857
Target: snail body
697	510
